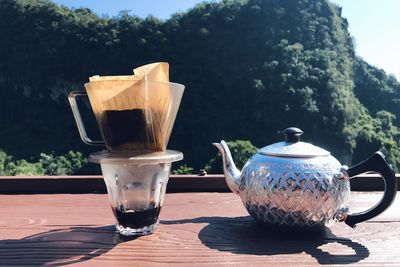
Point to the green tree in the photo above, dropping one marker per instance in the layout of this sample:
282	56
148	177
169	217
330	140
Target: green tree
23	167
183	169
62	165
46	165
4	161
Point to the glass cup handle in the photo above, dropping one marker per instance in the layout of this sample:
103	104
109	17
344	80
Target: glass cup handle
78	119
376	163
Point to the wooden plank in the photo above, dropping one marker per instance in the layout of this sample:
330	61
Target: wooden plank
196	229
177	183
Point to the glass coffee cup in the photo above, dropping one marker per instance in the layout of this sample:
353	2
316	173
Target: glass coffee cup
136	186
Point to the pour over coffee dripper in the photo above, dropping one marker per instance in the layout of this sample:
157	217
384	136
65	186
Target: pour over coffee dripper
133	114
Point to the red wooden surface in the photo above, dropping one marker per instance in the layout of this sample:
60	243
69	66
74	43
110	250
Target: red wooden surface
196	229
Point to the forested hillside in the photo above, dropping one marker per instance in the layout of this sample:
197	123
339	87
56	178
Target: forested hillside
251	68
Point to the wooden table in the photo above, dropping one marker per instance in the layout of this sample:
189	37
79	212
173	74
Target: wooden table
196	229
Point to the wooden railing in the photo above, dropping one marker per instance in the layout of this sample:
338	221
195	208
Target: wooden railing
177	183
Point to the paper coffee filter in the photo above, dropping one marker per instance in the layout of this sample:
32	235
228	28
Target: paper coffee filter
154	72
148	91
96	78
119	86
116	94
158	72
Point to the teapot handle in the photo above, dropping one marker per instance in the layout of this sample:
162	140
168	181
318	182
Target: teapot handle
376	163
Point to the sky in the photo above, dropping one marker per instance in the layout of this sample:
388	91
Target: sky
375	25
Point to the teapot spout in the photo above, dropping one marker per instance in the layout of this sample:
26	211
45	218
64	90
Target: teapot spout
232	174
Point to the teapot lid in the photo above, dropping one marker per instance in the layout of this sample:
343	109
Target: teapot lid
292	147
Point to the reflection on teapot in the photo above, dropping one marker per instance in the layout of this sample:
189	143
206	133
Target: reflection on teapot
294	184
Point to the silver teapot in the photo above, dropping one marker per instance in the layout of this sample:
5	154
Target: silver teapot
293	184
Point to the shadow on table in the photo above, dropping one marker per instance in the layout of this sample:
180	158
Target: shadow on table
242	235
59	247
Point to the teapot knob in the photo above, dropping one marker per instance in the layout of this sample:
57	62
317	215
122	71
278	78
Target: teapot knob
292	134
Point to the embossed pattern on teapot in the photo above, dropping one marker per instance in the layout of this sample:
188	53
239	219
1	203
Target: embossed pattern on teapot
304	194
